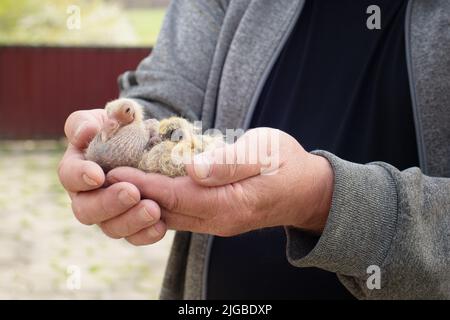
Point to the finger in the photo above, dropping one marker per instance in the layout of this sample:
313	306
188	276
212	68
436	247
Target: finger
246	158
148	235
181	194
141	216
77	174
102	204
152	186
82	126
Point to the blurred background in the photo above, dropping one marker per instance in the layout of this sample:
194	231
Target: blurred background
58	56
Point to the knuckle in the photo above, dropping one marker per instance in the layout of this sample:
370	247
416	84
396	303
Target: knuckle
60	169
108	201
133	241
79	213
173	201
107	230
104	204
128	225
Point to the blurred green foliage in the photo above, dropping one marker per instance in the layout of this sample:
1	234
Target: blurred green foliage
103	22
146	23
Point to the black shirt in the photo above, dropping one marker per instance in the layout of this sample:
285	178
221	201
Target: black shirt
336	86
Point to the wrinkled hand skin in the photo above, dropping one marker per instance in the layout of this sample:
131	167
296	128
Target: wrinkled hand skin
233	198
214	198
127	140
118	208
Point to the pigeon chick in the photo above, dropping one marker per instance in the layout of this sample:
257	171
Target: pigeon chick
125	136
180	140
151	145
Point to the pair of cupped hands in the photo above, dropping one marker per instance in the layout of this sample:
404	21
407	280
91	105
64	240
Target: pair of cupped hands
217	197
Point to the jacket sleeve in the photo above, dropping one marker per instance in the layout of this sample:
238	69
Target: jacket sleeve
397	221
172	80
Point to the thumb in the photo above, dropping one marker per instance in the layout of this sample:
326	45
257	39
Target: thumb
223	166
82	126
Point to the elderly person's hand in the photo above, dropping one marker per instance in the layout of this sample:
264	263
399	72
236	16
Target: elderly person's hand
117	209
227	194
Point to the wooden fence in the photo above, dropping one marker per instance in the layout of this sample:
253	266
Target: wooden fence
41	86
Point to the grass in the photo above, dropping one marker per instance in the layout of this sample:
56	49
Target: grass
146	24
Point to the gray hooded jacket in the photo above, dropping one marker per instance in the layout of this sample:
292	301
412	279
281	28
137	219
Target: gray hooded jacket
210	63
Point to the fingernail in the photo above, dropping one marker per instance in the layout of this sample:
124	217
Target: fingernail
89	180
152	232
156	230
80	129
146	215
125	198
202	166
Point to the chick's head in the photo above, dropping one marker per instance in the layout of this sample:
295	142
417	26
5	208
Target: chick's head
124	111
